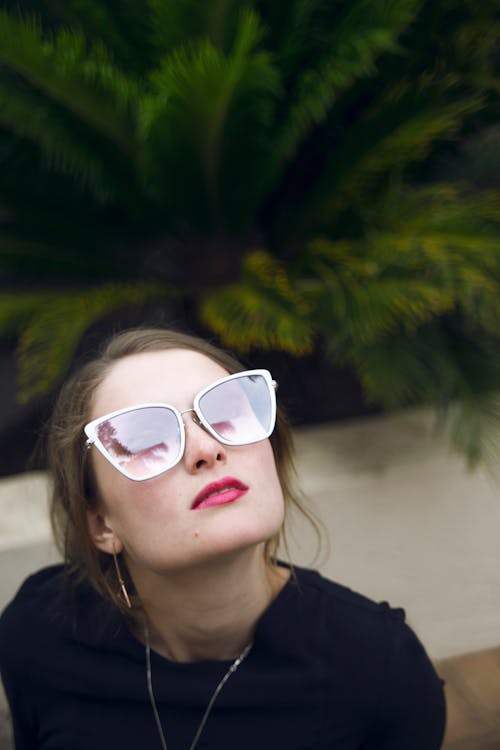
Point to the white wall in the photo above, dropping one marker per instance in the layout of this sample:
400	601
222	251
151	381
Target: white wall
408	523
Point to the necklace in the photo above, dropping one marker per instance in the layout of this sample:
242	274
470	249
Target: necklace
234	666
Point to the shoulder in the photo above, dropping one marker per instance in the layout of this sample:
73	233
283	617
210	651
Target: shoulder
338	609
372	638
55	619
332	610
316	615
28	630
38	593
52	604
346	628
38	601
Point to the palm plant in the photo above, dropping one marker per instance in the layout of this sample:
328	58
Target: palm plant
270	163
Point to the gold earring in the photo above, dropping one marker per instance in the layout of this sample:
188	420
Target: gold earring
123	588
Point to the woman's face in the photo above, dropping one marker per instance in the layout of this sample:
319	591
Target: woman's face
154	521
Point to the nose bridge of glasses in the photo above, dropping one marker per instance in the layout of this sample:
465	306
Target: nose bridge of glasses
194	416
196	419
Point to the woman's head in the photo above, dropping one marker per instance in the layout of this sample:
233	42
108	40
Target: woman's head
151	365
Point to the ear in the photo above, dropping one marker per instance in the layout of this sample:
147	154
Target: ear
101	534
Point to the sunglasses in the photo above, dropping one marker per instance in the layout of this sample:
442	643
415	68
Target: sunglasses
144	441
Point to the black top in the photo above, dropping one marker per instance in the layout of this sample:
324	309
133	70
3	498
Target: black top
328	669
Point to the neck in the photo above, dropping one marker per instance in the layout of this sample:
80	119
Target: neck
208	613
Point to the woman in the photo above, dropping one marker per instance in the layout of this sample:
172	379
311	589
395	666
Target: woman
172	624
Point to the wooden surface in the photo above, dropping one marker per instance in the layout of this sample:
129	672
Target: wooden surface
473	700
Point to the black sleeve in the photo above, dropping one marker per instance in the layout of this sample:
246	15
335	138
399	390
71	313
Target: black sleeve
412	709
16	680
23	730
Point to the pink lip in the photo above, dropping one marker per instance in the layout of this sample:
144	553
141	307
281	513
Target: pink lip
224	491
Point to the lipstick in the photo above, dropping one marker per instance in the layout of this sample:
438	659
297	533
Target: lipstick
221	492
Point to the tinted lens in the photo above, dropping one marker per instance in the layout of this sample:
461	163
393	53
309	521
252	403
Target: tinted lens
240	410
143	442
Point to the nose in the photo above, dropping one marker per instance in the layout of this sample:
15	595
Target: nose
201	449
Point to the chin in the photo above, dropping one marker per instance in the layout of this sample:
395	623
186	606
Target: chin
250	536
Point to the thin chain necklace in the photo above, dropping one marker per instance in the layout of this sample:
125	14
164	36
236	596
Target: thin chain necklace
234	666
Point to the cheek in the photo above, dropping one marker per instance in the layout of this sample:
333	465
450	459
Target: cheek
265	462
267	479
127	504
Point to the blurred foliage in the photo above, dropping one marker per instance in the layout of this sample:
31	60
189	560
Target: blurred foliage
320	169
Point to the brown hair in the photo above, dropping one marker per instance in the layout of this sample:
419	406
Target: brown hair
73	488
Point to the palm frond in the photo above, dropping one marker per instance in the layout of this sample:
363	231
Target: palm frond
174	23
473	425
440	362
477	42
158	135
287	25
351	46
262	310
441	206
401	129
16	309
439	252
456	373
355	299
32	117
123	26
475	160
57	320
401	370
450	236
190	122
63	69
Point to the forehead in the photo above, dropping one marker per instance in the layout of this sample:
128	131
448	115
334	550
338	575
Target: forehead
173	376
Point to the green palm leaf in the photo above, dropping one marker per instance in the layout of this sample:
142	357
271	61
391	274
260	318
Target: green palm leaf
356	299
401	370
199	96
52	324
34	118
173	23
355	38
63	70
16	309
262	310
403	129
124	27
164	140
474	427
440	366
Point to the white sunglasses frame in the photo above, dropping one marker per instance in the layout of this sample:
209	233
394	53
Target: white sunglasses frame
91	428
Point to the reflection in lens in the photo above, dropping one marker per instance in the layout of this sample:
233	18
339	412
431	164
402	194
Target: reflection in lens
239	410
225	429
142	441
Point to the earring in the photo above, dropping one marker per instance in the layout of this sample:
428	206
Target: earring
123	588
